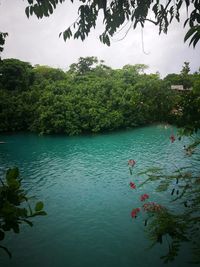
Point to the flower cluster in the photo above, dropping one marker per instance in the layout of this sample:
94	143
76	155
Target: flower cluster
152	207
149	206
172	138
134	212
131	162
144	197
132	185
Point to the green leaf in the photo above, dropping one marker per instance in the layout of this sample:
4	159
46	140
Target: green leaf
163	186
11	178
38	213
53	3
27	12
7	251
2	235
39	206
14	184
50	8
15	228
189	33
12	173
196	39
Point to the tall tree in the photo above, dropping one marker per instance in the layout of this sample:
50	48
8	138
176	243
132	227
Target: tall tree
15	74
84	65
185	77
185	69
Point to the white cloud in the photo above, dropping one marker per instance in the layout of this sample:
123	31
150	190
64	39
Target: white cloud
37	42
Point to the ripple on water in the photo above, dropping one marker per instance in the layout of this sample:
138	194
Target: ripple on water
84	183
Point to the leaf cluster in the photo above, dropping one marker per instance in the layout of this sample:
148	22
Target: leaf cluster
42	8
166	226
14	206
182	224
117	14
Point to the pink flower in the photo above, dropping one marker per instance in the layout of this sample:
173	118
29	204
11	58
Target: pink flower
144	197
134	212
152	207
172	138
131	162
132	185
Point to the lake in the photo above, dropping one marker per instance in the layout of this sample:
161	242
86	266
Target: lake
84	183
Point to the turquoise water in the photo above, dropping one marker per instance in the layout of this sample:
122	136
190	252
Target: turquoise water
84	183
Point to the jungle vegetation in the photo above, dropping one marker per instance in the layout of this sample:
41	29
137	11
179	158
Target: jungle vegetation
90	97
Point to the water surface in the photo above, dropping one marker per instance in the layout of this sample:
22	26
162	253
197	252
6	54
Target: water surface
84	183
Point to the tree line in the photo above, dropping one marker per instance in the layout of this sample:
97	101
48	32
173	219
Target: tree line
90	97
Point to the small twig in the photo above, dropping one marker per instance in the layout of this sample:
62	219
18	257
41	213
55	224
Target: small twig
2	182
124	34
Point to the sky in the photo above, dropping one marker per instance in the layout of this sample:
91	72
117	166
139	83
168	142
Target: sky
37	41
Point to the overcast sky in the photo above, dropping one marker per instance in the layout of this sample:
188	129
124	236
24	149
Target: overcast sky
36	41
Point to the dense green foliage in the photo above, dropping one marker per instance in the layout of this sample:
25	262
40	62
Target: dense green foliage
123	14
13	211
90	97
15	74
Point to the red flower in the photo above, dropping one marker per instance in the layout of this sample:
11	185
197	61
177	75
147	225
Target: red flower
172	138
131	162
132	185
144	197
134	212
